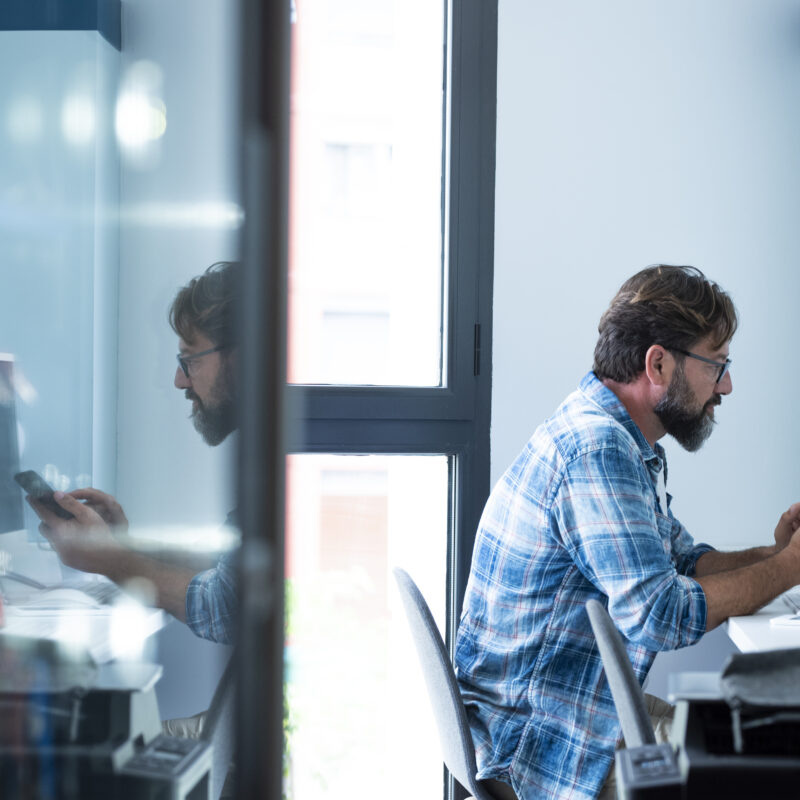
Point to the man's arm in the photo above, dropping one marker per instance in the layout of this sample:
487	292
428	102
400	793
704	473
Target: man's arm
87	543
715	561
744	590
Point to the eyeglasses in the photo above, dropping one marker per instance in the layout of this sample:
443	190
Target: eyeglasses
185	361
724	366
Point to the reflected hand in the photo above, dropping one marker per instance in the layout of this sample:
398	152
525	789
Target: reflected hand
84	542
105	505
787	525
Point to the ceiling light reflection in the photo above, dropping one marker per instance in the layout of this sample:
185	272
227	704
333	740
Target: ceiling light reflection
141	114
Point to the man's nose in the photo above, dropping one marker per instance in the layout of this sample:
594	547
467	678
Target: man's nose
181	381
725	386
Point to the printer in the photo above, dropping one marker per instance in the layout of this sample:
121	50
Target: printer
70	728
736	734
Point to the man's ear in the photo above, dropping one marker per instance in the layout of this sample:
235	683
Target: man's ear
658	365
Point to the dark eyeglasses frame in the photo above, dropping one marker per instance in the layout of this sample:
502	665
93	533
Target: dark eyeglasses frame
183	361
724	366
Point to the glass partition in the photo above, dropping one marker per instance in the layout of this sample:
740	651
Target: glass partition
118	187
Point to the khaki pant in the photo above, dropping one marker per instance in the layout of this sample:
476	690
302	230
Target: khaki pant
661	715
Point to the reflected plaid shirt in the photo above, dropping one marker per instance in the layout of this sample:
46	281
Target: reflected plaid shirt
212	600
576	516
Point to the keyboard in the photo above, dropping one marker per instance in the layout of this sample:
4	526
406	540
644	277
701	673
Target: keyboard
104	593
791	599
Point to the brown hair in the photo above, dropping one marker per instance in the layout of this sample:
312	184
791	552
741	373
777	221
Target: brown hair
205	305
663	304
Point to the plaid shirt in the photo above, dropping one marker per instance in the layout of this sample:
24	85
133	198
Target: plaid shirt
212	600
576	516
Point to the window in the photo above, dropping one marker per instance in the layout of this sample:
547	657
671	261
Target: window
389	293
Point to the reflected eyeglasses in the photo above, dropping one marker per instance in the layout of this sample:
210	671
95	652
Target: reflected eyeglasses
723	365
185	361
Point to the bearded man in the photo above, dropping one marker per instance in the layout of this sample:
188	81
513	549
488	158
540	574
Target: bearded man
583	513
93	541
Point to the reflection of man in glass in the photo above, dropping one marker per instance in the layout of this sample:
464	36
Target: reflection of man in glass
201	316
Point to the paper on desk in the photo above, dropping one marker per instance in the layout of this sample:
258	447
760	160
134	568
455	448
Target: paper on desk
785	621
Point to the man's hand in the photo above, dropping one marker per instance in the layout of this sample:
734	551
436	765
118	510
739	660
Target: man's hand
787	525
85	542
105	505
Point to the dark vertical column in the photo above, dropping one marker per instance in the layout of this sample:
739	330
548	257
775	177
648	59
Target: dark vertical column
265	157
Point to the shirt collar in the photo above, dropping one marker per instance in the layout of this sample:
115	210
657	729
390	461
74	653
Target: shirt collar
600	395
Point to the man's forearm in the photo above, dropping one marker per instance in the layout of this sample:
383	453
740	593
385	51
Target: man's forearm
169	582
715	561
744	590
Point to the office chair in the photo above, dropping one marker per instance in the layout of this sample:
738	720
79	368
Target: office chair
628	696
644	768
458	749
218	727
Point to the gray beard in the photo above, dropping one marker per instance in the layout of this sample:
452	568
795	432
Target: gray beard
215	420
214	424
689	428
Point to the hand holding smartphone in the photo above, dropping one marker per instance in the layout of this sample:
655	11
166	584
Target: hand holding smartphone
39	489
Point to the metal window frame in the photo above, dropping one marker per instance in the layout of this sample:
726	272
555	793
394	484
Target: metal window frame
277	419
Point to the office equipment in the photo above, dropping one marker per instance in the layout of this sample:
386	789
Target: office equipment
458	748
10	498
16	590
92	629
722	742
792	599
71	728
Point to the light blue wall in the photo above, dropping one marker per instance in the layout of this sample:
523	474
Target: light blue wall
178	216
59	249
636	131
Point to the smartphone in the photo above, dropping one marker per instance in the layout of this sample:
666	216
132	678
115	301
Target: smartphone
39	489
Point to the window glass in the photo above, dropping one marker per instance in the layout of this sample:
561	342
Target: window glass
365	282
118	184
356	701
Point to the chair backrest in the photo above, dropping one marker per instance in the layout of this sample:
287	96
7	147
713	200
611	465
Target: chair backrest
637	727
458	749
218	728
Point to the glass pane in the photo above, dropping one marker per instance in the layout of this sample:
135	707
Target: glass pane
357	704
365	265
117	186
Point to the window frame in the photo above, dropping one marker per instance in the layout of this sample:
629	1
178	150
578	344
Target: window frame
453	419
278	419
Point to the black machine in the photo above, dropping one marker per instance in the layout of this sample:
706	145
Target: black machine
71	729
736	734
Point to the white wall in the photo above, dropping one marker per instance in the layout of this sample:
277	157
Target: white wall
176	199
631	132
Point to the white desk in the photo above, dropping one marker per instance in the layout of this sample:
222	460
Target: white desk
754	632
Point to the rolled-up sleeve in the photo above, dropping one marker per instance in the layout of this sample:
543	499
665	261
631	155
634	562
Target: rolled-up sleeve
685	551
605	509
212	602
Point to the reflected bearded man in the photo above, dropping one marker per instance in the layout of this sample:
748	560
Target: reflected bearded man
583	513
94	541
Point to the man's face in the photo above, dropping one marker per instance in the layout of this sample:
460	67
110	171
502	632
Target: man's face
687	408
210	387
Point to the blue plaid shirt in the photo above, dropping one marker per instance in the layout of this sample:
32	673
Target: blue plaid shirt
576	516
212	603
